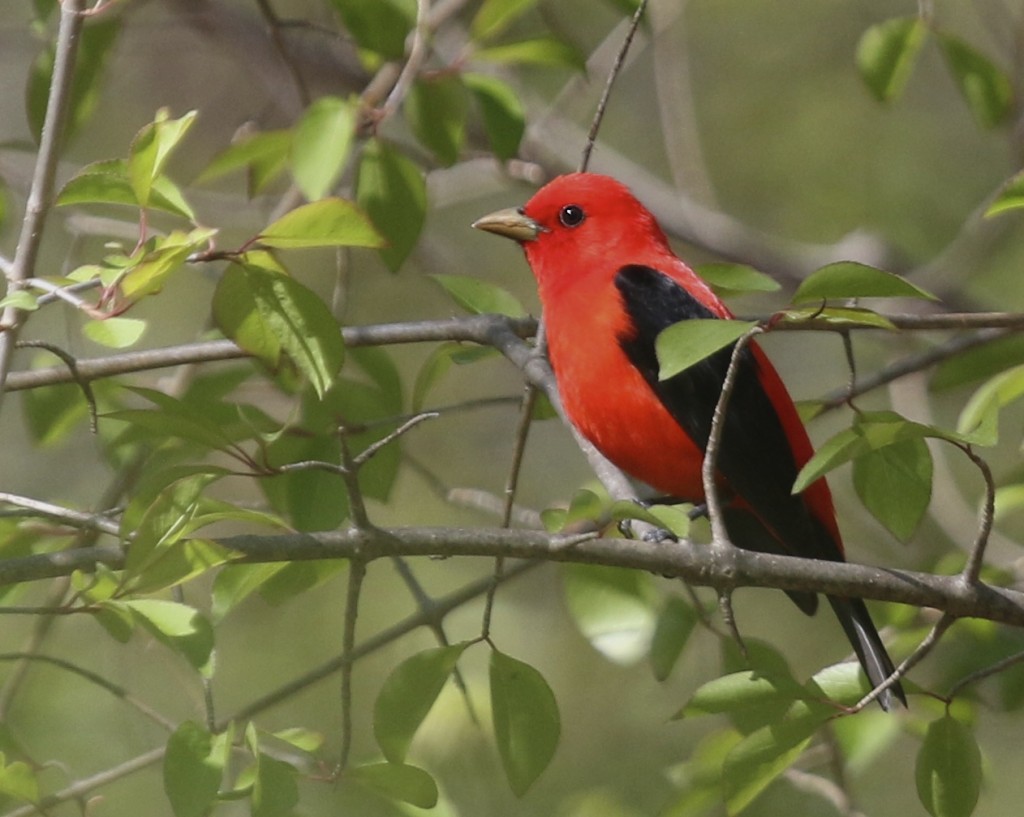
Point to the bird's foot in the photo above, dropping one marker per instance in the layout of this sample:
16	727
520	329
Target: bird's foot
649	532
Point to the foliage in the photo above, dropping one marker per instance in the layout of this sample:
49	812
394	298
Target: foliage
314	282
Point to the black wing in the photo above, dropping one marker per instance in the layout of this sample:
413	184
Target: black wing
755	456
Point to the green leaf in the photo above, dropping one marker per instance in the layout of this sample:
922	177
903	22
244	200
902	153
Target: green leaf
323	139
313	499
182	628
757	760
328	222
1009	197
381	26
948	771
160	521
479	297
895	485
688	342
301	323
746	690
835	316
887	53
987	89
672	630
108	182
151	149
18	780
494	16
392	191
51	413
612	608
151	266
503	114
979	363
275	792
876	430
175	419
848	279
264	155
437	364
436	111
526	722
544	51
397	781
982	410
193	768
237	315
407	695
235	583
735	278
20	299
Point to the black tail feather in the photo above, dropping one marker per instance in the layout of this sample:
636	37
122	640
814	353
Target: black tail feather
857	624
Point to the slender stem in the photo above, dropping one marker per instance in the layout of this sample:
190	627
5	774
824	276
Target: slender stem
613	74
41	191
709	468
972	570
522	432
356	575
928	643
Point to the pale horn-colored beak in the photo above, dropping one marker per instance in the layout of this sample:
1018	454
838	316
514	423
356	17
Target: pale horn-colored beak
512	223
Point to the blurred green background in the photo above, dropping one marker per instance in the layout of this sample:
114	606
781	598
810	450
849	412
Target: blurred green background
751	108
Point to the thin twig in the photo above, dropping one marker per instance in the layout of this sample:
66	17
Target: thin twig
972	570
518	451
982	674
613	74
72	365
274	24
356	575
709	468
927	644
114	689
66	516
421	618
413	62
41	191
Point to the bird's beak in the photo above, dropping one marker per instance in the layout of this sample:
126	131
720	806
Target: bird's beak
512	223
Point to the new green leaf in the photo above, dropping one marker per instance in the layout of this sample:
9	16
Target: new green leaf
321	145
329	222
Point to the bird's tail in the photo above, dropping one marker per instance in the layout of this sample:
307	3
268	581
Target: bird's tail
859	628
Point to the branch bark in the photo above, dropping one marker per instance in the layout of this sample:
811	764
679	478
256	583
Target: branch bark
695	563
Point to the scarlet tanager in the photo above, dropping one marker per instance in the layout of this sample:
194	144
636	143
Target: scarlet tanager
608	284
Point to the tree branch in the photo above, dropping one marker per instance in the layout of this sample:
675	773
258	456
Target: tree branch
695	563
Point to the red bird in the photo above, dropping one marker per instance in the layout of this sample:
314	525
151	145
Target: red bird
609	283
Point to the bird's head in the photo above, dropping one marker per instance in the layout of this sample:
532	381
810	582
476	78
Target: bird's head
579	224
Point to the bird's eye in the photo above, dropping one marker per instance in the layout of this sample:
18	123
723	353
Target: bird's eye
571	215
